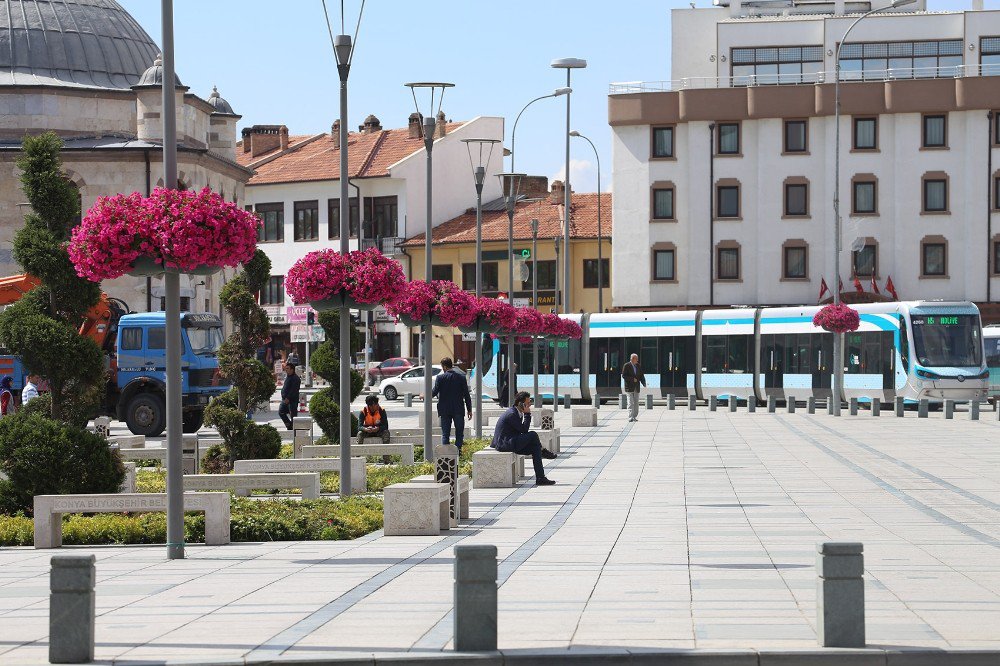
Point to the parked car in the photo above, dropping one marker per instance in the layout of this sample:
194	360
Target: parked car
390	367
411	381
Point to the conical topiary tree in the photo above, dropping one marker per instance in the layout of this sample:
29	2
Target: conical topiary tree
326	363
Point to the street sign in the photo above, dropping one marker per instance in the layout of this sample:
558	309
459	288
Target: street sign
468	337
300	333
522	302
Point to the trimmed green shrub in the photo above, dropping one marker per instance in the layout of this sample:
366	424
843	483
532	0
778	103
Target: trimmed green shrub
325	362
326	413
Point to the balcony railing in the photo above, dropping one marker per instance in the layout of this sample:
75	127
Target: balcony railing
846	76
387	245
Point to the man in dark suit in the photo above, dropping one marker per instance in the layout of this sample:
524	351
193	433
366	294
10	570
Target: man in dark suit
633	376
289	407
512	434
452	391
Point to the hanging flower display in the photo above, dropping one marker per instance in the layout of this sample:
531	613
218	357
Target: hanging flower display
555	326
837	318
529	322
492	316
170	230
438	302
360	280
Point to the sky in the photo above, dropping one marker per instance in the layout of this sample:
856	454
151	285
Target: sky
274	63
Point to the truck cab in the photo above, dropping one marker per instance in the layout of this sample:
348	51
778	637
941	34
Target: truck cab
138	396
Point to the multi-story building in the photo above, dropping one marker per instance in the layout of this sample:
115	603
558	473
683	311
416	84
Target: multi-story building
724	176
454	258
296	192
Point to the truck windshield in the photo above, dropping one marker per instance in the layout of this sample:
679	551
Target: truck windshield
947	340
205	341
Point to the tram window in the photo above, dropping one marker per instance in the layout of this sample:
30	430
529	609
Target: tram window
992	352
904	344
726	353
852	360
648	356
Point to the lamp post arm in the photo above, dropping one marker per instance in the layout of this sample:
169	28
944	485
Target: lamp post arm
513	132
600	258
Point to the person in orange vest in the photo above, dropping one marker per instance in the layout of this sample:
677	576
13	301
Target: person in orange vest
373	422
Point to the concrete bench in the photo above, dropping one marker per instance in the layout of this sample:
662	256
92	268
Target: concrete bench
244	483
550	440
463	491
359	471
128	441
412	432
542	418
404	451
584	417
49	509
495	469
414	509
157	453
128	484
437	424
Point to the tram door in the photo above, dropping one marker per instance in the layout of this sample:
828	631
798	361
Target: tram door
606	361
677	361
772	359
822	370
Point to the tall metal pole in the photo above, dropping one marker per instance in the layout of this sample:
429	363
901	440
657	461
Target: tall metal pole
429	127
555	341
534	304
343	49
600	237
480	174
172	286
511	371
566	201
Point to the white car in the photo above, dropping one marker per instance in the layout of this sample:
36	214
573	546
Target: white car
411	381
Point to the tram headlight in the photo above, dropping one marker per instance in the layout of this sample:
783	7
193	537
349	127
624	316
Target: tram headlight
924	374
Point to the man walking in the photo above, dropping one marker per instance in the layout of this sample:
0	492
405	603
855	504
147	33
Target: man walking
452	391
289	408
633	376
512	434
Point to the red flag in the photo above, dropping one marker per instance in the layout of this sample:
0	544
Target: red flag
840	285
822	289
891	288
857	285
875	286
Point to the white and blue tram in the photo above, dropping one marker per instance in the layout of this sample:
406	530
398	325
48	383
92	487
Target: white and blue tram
917	350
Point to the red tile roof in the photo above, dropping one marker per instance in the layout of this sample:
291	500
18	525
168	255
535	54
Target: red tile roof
583	221
246	159
368	155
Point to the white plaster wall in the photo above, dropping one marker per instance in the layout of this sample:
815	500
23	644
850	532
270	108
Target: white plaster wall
631	234
693	41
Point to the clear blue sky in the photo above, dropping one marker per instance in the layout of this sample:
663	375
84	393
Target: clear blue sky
274	63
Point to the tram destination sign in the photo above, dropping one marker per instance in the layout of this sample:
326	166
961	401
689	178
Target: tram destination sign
936	321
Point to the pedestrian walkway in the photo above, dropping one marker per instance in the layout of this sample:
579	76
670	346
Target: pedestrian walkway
687	530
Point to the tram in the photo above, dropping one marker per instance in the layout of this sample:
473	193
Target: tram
917	350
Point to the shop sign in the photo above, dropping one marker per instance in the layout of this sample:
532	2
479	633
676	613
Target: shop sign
275	314
300	333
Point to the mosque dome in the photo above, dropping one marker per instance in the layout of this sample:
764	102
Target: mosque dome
220	104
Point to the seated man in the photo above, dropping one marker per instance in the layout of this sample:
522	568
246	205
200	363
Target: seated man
373	421
512	435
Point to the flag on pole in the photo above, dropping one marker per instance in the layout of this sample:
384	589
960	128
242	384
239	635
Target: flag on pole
857	285
822	289
840	285
875	289
891	288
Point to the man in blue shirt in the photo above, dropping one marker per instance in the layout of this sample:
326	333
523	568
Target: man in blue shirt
452	391
512	434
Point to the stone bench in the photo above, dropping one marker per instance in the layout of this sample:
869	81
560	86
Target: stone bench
437	424
550	439
359	471
244	483
128	441
584	417
48	512
415	509
542	418
412	432
496	469
128	484
463	492
157	453
404	451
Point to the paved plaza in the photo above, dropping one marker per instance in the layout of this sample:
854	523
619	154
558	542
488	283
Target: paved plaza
685	530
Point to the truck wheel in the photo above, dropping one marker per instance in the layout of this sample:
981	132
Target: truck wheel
192	420
146	415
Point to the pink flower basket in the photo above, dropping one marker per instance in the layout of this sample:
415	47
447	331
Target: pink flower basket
171	230
492	316
837	318
530	322
557	327
361	280
439	302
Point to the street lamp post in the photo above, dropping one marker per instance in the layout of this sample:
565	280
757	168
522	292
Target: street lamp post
479	167
600	237
534	304
555	342
838	338
428	129
558	92
569	64
510	184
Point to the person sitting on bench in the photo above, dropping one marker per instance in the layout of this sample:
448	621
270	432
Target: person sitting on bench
373	422
512	435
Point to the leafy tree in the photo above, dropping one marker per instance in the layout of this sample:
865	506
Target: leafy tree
326	363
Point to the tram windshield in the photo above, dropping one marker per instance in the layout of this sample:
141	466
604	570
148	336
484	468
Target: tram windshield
947	340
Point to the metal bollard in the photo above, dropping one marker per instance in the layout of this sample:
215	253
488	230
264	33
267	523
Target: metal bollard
538	401
475	598
566	401
840	594
899	406
974	410
811	404
72	609
772	404
597	402
692	402
671	401
829	406
649	401
949	409
751	405
407	400
713	403
790	404
733	403
876	408
923	408
622	401
854	406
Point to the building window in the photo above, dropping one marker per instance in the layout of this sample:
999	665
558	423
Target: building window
865	260
996	193
663	142
727	203
933	259
728	263
546	275
996	257
728	138
935	132
306	220
796	200
491	277
590	273
772	65
794	262
989	55
273	292
935	195
663	204
444	272
384	219
865	197
877	61
664	265
865	133
333	215
796	136
272	216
